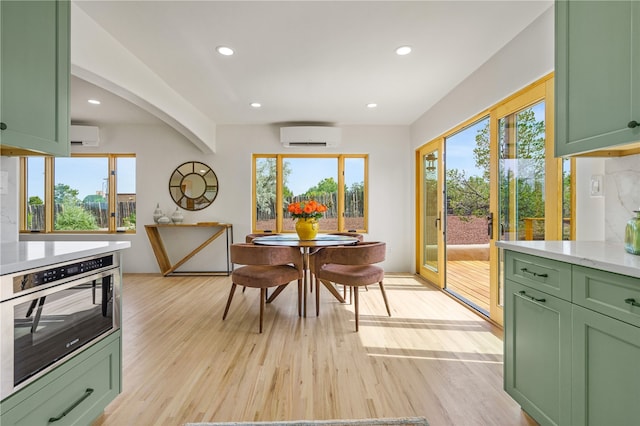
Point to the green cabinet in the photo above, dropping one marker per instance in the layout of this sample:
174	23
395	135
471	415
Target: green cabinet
74	393
606	378
597	69
537	374
34	77
571	342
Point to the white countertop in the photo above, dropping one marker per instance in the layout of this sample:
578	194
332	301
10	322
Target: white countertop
602	255
23	255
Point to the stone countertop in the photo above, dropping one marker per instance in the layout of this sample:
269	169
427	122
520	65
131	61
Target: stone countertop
23	255
606	256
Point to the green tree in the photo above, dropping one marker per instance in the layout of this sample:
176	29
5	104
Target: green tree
64	194
35	201
94	198
467	196
266	186
74	218
324	187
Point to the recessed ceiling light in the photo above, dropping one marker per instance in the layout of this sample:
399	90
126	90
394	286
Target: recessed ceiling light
403	50
256	104
94	101
372	105
224	50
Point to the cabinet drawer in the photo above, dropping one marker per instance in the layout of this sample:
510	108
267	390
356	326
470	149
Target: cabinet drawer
547	275
608	293
81	390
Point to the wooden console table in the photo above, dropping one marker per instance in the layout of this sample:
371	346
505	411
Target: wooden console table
153	232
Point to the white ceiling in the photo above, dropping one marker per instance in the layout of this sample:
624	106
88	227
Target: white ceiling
304	61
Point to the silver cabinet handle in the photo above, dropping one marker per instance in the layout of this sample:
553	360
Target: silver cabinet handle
631	302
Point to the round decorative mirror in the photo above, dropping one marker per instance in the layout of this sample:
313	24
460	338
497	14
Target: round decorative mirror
193	186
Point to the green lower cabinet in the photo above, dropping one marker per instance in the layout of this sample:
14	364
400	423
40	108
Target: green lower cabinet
537	365
74	393
606	377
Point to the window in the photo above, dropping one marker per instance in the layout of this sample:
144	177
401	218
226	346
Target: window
338	181
81	193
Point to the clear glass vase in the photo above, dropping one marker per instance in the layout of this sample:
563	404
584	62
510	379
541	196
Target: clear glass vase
632	234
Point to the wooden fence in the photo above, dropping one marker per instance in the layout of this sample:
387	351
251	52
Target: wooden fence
354	205
125	214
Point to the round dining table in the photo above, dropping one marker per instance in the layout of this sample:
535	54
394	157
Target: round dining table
321	240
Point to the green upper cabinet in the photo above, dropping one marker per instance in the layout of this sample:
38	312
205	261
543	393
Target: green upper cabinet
597	70
34	74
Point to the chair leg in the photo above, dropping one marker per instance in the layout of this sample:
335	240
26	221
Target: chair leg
384	296
300	298
356	303
226	309
317	299
263	296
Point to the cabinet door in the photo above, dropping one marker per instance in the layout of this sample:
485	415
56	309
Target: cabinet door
605	370
34	98
596	73
537	350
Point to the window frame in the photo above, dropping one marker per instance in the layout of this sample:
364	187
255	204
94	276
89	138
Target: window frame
280	196
49	185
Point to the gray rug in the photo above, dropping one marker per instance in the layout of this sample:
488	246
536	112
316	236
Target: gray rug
397	421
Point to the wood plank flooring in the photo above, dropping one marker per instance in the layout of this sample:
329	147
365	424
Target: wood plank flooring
182	363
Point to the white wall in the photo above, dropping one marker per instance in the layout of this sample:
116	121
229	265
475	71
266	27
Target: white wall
159	150
589	209
525	59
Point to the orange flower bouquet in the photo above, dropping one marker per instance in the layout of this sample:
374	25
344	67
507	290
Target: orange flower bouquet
309	209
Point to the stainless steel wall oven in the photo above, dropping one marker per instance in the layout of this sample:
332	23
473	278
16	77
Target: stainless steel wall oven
49	313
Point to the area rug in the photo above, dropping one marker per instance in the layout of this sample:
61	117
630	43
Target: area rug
397	421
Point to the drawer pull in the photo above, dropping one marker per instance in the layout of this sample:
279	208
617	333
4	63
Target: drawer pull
535	274
632	302
524	294
86	395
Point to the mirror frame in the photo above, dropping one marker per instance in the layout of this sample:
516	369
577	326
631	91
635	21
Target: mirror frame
193	174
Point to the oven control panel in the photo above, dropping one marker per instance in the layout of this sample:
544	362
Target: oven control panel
50	275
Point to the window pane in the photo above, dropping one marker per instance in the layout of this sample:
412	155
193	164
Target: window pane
566	199
354	194
126	194
35	194
81	194
311	178
265	194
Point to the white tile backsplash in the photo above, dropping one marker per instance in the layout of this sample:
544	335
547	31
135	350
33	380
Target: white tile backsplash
9	213
621	193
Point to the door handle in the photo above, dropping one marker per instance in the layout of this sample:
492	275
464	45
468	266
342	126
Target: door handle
490	225
438	221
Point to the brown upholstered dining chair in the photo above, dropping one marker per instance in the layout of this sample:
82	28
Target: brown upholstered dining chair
354	234
352	266
264	267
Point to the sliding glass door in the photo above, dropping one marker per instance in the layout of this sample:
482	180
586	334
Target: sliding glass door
495	178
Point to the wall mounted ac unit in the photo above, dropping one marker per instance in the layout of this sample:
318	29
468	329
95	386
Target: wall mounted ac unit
84	135
301	136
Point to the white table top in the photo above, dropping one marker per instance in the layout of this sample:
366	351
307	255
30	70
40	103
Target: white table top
23	255
606	256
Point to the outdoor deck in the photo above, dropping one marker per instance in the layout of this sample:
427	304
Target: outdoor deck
470	279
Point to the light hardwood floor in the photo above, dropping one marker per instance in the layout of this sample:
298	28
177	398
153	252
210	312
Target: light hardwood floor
182	363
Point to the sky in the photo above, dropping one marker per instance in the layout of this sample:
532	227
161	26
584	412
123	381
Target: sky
308	172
